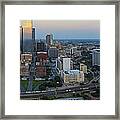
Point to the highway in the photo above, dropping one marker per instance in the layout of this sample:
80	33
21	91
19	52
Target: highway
89	87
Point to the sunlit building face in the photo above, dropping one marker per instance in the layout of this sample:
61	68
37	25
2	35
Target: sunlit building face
27	35
26	23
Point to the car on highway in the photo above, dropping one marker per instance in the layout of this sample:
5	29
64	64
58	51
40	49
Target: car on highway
66	90
69	90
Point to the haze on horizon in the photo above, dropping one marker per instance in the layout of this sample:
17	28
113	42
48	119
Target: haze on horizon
67	29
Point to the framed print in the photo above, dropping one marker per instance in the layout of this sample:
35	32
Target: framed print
60	59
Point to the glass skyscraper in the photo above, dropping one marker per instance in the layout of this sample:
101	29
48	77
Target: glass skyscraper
27	36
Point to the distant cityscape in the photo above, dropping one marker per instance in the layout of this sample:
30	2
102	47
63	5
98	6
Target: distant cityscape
58	69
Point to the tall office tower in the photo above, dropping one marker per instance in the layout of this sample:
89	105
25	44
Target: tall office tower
33	34
53	52
41	46
29	47
21	39
49	40
96	57
66	64
27	35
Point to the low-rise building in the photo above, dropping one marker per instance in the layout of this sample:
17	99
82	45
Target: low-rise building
73	50
83	67
40	71
72	76
81	76
24	70
25	61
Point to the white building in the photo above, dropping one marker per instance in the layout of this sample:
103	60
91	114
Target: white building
66	64
73	76
96	57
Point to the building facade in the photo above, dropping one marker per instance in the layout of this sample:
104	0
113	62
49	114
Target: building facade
83	67
73	50
25	61
49	40
96	57
40	46
66	64
71	76
53	52
27	36
59	65
41	61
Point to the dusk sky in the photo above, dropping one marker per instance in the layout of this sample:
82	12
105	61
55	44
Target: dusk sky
67	29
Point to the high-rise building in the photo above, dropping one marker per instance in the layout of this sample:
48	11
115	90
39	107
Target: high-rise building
53	52
27	36
66	64
41	46
41	60
21	39
96	57
49	40
59	65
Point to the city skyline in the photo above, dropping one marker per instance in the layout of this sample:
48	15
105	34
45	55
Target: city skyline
68	29
59	68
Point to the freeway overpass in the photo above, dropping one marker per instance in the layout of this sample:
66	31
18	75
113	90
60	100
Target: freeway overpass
59	91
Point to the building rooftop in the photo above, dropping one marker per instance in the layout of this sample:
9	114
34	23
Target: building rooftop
42	52
97	50
72	72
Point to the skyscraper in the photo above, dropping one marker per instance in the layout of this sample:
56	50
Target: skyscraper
21	39
49	40
96	57
66	64
27	45
27	36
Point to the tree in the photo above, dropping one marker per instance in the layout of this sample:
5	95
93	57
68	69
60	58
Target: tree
42	87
